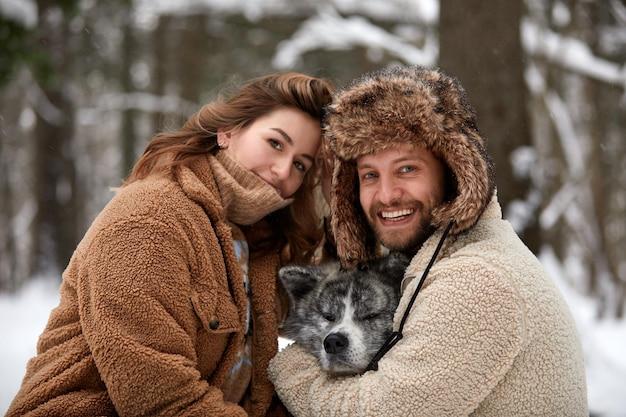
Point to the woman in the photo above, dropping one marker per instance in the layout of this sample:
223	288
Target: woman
168	303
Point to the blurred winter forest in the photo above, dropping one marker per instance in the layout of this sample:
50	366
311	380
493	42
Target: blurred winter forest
84	85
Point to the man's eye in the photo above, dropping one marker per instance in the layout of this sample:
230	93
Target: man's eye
369	175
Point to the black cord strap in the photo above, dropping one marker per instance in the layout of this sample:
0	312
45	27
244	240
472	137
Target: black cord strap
397	335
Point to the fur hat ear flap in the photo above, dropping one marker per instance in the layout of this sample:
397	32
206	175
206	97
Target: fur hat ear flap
354	238
474	174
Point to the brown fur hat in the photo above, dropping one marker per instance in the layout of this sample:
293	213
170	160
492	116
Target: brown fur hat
398	105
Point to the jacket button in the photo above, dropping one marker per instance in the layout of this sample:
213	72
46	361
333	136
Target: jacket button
214	324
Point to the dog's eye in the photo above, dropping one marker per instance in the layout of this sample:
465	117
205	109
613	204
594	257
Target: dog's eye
328	317
371	316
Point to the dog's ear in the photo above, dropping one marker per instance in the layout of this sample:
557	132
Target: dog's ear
299	280
393	266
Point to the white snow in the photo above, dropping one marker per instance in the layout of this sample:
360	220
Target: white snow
604	344
24	317
331	31
570	53
20	11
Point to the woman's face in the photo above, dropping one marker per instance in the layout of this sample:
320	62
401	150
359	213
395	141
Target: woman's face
279	147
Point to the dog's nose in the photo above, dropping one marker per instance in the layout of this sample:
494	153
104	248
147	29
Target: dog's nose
335	343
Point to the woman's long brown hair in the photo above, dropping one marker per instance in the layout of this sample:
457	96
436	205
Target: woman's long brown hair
296	227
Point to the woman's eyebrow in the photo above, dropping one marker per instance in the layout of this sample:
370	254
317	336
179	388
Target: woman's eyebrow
283	134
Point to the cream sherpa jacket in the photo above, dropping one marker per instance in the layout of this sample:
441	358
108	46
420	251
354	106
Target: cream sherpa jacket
489	335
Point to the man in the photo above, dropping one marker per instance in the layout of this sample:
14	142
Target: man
488	333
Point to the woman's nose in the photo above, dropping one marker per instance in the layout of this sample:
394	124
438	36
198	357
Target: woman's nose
282	169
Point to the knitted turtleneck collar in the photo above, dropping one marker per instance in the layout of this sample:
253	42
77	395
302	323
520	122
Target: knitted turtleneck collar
245	196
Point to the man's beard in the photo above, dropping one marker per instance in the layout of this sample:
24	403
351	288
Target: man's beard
409	243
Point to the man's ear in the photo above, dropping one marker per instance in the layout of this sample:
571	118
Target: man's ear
223	138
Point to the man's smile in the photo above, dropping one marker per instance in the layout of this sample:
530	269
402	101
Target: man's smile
396	215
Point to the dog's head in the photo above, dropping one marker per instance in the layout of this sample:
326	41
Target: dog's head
343	317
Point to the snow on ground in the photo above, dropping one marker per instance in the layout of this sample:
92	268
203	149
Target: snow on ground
604	344
25	315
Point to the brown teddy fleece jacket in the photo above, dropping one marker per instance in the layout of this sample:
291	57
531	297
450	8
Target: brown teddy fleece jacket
152	304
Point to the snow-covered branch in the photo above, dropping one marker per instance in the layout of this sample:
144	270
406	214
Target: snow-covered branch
571	54
146	102
330	31
21	11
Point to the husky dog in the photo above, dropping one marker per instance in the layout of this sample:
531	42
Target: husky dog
343	317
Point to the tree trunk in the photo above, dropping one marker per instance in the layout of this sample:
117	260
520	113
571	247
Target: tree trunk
128	134
54	228
480	45
8	260
608	159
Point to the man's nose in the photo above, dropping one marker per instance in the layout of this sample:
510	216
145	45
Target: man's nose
388	190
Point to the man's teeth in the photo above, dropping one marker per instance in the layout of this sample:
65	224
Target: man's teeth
390	215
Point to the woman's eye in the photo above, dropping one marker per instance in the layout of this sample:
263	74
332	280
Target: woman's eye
300	166
407	169
275	144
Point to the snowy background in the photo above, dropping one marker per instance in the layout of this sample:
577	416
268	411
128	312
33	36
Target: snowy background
604	341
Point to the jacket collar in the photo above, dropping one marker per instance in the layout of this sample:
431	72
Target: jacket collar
227	191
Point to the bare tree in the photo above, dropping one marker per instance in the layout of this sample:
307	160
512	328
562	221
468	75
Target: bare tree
579	114
54	226
9	263
128	131
481	46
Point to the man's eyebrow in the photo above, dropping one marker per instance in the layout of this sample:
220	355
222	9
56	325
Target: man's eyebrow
290	141
363	166
399	160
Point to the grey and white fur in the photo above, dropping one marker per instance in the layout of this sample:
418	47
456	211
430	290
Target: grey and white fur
343	316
